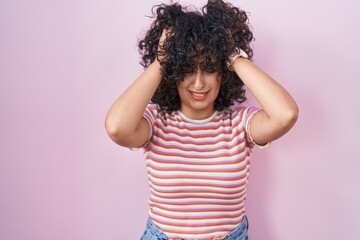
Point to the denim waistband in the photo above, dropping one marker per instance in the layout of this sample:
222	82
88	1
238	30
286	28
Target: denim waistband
239	233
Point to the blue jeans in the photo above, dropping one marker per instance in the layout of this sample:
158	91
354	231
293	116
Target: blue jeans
239	233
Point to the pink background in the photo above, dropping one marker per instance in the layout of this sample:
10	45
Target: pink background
62	64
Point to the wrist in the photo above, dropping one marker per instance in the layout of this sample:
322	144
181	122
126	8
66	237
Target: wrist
238	53
156	68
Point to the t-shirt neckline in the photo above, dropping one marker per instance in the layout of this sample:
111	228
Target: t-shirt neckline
197	121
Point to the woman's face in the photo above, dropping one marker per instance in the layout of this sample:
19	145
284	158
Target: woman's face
198	92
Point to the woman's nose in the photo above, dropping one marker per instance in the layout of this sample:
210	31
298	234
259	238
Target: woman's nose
199	82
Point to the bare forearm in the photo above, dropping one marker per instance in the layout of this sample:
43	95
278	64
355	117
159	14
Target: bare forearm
125	114
273	98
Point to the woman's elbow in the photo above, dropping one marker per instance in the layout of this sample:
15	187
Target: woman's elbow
290	116
115	132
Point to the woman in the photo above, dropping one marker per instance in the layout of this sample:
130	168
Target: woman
181	110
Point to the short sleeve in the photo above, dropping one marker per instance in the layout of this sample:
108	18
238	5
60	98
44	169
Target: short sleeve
149	115
247	115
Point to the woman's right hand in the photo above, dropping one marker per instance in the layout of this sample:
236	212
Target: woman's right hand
161	52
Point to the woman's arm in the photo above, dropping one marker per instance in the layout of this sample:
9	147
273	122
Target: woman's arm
124	122
279	110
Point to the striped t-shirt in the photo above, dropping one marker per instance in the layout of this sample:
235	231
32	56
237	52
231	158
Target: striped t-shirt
198	171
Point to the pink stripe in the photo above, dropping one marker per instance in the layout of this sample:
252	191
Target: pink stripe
236	168
187	195
192	203
213	190
196	156
210	209
233	177
174	142
209	141
205	184
202	217
183	133
199	149
192	229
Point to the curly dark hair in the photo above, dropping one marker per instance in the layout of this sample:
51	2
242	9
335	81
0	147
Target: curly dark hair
195	39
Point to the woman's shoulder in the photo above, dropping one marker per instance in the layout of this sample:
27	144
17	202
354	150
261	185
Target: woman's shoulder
242	112
237	109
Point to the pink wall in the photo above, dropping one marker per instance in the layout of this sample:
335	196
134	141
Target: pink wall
62	63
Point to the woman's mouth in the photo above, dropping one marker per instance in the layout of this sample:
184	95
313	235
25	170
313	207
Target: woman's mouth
199	96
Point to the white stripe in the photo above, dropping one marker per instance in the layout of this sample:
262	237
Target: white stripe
198	174
213	167
214	143
189	189
185	223
198	214
192	157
